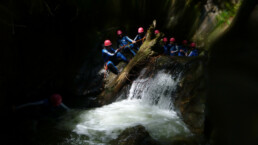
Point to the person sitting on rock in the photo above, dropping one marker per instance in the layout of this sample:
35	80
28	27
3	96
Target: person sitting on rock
172	47
194	51
183	49
112	57
123	41
139	37
165	46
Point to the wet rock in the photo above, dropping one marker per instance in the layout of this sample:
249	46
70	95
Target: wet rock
191	95
134	136
191	140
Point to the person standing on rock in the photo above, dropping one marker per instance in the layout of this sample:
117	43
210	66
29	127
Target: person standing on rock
165	46
112	57
183	49
123	41
139	37
194	51
172	47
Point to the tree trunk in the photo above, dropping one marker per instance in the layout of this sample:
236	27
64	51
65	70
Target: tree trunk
150	47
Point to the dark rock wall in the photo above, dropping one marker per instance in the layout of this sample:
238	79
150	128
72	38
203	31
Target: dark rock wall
54	46
232	98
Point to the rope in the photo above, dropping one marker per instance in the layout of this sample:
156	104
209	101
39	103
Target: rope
132	43
106	68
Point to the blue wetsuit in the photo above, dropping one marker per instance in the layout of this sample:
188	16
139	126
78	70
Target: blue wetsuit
173	47
184	51
193	53
44	108
124	41
112	57
166	49
139	43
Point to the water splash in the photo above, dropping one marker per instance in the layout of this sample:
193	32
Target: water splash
155	91
149	104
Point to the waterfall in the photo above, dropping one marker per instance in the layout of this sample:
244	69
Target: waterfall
155	91
148	104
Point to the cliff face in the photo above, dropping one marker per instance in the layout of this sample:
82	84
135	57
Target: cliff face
232	79
54	46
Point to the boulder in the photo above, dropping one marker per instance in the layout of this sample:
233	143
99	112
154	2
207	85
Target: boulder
134	136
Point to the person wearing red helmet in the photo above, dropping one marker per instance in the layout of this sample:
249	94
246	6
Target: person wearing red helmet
112	57
165	46
139	36
172	47
183	49
32	116
194	51
156	32
54	101
125	40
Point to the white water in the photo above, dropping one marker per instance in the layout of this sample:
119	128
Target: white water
148	104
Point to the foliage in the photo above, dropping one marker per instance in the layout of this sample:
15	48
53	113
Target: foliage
229	12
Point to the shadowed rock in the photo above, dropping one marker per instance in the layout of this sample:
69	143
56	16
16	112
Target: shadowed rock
134	136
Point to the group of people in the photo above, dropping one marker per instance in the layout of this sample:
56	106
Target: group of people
184	49
113	56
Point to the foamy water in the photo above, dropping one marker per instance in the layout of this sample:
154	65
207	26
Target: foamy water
149	104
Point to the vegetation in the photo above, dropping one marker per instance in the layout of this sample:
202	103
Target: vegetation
226	15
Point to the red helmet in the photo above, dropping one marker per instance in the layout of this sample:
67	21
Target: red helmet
156	31
172	40
140	30
193	45
165	39
107	43
184	42
56	99
119	32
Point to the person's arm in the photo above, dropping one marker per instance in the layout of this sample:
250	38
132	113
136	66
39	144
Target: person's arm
172	49
129	39
30	104
108	53
115	51
177	48
65	107
136	37
191	53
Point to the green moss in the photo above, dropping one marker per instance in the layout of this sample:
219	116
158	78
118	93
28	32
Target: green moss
224	19
229	12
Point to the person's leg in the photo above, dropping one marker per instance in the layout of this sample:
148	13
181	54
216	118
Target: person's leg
112	67
130	47
121	56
